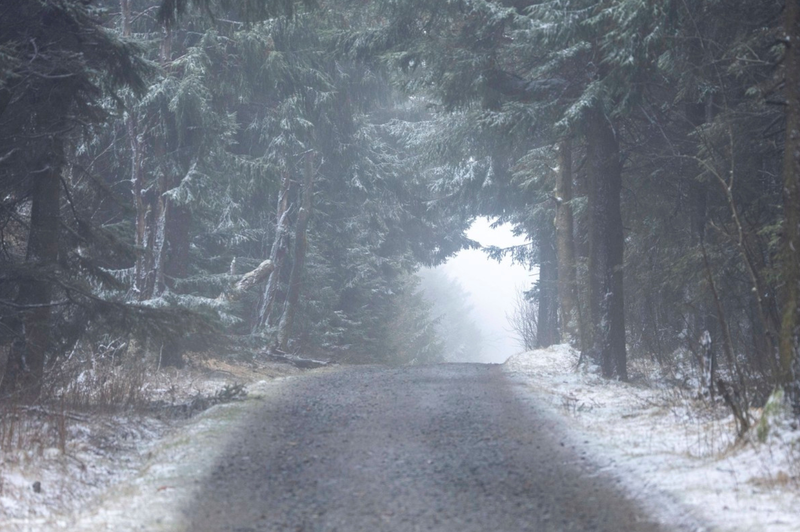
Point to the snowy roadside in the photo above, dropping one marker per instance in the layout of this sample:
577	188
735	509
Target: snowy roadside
123	471
660	442
159	496
138	472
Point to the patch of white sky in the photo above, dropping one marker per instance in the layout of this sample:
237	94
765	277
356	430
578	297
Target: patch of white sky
493	287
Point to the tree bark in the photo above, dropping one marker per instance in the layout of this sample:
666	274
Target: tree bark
137	177
137	187
248	281
565	246
25	366
178	239
702	319
280	247
5	99
790	323
300	246
161	214
581	222
547	321
606	246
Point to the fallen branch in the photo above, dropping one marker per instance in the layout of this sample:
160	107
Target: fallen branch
248	281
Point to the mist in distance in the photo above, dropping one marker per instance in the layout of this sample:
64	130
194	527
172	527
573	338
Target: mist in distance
491	289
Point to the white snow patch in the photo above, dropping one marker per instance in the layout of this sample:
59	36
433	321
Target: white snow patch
666	446
154	492
92	470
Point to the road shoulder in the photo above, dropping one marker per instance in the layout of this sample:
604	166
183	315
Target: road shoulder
666	448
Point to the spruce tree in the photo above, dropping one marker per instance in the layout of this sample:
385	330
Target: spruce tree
61	69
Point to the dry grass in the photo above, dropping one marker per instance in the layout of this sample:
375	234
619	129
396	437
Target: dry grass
104	408
104	380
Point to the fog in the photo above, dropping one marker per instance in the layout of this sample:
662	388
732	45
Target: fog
492	287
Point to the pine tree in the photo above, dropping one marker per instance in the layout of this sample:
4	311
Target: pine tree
60	69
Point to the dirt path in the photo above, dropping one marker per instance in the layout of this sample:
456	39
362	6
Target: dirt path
440	448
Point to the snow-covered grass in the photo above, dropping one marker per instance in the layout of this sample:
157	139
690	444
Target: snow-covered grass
664	443
170	478
58	462
39	481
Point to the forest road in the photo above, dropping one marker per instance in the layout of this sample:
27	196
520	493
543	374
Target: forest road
432	448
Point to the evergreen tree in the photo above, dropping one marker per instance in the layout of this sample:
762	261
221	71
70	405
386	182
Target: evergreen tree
61	72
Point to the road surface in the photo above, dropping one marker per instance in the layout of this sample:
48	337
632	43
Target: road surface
436	448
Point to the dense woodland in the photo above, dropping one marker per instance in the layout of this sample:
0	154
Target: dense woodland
271	174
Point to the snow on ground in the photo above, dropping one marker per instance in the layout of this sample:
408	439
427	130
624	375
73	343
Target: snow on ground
137	472
159	497
667	446
62	469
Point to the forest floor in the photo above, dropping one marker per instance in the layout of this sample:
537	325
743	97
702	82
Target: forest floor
63	469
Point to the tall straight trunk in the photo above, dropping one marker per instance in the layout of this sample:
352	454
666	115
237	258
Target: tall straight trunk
125	9
547	319
702	316
25	366
137	177
697	111
177	235
790	323
581	221
152	215
5	99
177	220
158	231
169	222
277	255
606	247
137	188
565	246
300	246
161	215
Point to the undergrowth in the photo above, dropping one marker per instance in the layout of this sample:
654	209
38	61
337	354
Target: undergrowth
103	380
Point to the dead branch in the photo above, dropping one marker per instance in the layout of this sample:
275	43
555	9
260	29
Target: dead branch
248	281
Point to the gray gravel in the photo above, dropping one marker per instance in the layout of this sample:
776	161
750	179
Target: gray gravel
445	448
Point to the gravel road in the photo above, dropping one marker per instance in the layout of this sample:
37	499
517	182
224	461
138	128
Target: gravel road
436	448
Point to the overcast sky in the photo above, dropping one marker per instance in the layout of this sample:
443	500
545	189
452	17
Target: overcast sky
492	287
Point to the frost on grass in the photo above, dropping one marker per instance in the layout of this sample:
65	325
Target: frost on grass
74	469
52	462
661	441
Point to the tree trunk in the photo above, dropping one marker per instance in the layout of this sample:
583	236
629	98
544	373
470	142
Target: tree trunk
137	187
159	239
790	324
565	246
178	238
248	281
300	245
606	246
277	255
25	366
5	99
547	321
137	177
161	214
151	212
581	239
702	319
